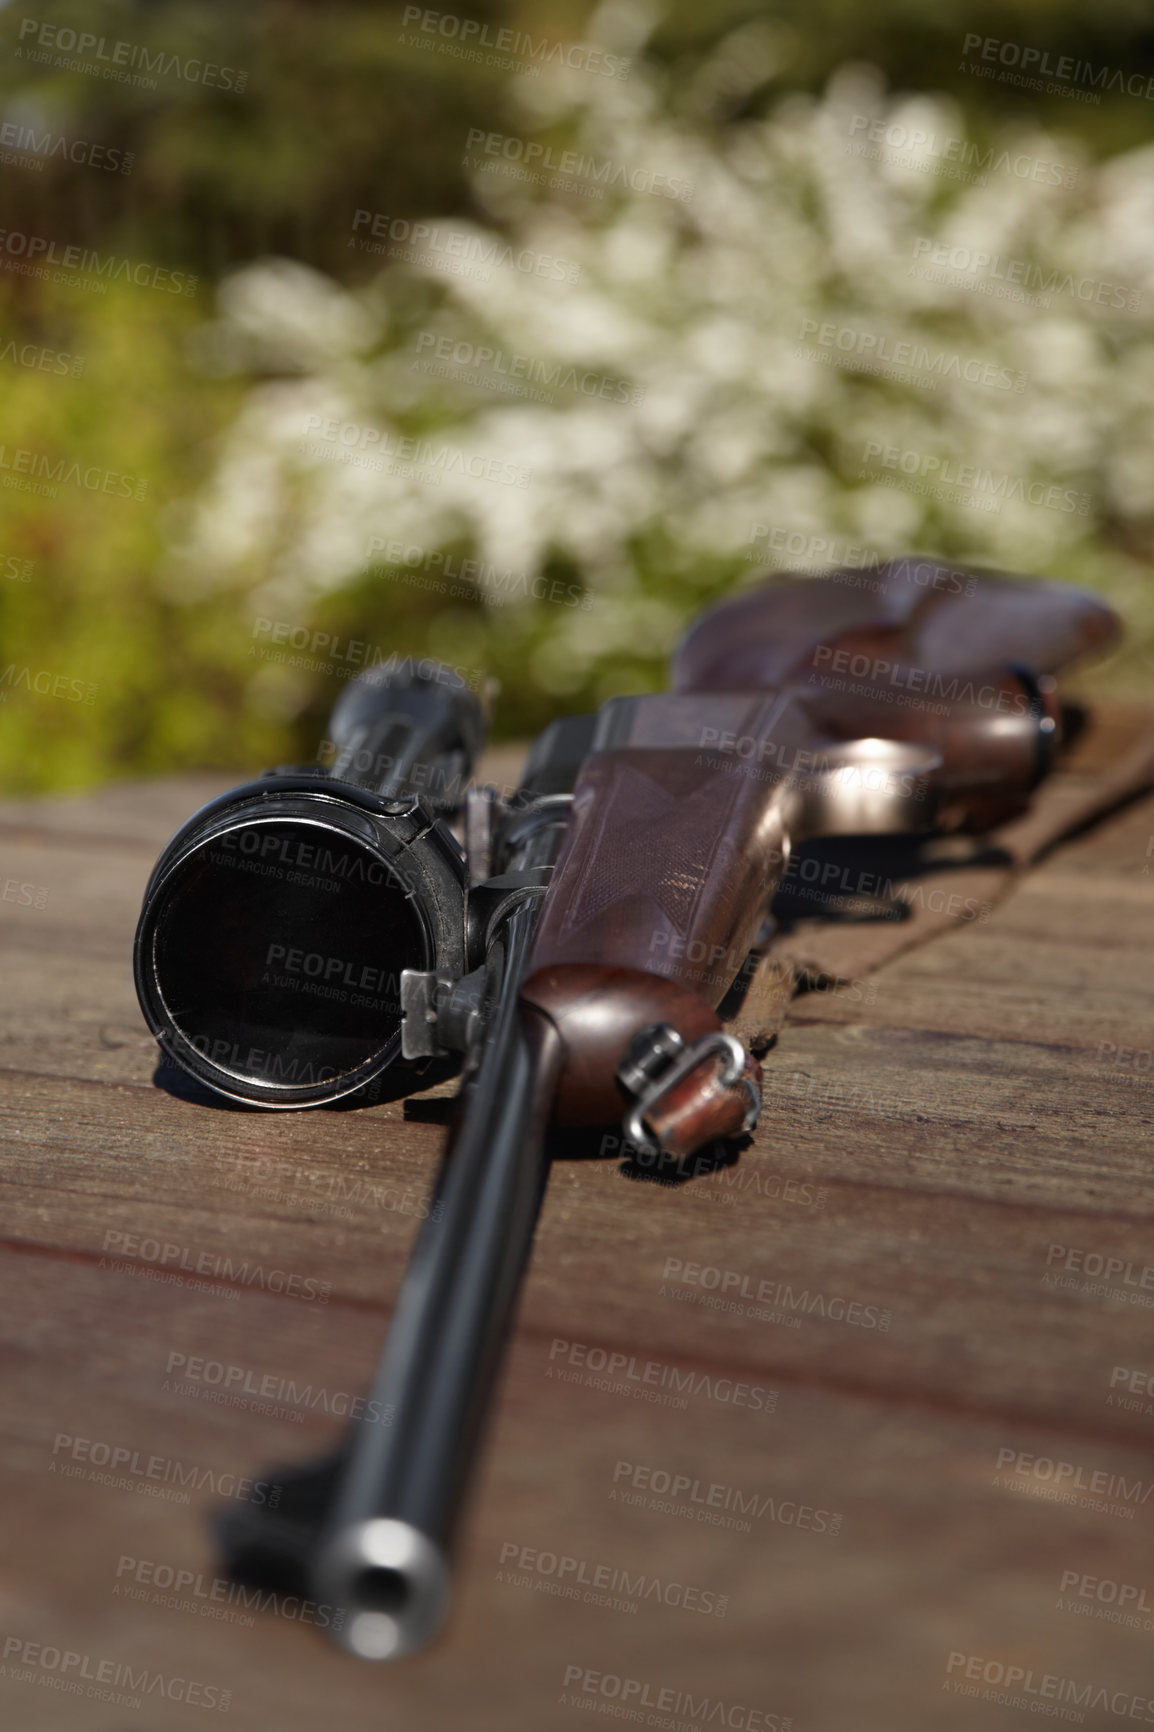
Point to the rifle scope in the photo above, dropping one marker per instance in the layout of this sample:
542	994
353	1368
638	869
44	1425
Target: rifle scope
279	919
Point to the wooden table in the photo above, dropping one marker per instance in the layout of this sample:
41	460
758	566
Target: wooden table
864	1466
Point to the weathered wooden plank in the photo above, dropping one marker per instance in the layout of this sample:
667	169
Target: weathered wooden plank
930	1558
923	1149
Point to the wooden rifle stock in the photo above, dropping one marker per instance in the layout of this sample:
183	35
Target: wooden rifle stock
928	613
804	708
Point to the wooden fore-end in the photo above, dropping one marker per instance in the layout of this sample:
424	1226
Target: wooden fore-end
671	857
674	847
597	1010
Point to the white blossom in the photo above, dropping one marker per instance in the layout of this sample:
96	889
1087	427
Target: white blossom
687	409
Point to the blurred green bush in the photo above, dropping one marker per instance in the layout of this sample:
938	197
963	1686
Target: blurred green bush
79	589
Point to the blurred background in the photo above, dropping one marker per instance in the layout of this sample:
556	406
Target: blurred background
512	335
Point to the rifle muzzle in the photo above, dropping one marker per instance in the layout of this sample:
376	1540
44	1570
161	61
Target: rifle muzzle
392	1583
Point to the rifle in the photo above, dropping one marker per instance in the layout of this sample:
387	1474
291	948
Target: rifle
556	956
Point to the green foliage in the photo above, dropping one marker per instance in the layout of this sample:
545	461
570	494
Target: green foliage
168	678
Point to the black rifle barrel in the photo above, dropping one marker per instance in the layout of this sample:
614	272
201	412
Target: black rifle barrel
383	1554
